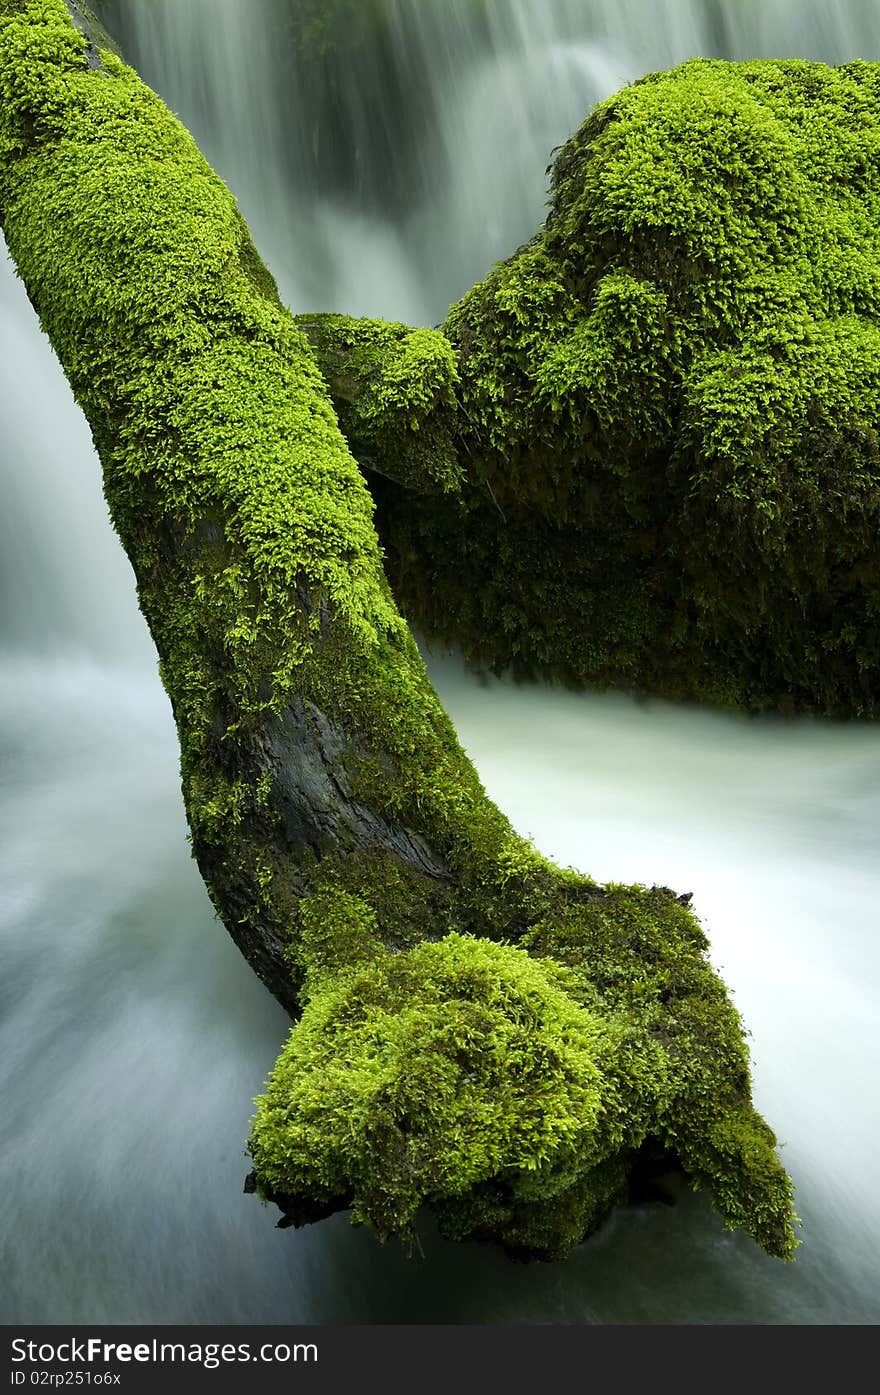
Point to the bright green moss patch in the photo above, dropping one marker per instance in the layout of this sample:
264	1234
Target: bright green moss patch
422	1074
673	472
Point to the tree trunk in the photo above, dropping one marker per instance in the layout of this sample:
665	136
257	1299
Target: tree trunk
476	1028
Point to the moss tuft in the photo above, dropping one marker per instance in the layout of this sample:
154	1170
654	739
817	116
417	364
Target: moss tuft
423	1074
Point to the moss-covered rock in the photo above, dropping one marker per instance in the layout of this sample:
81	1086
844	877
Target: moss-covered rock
480	1030
671	405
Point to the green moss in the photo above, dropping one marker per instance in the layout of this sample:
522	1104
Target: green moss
512	1087
394	391
356	907
673	477
680	1064
422	1074
497	1081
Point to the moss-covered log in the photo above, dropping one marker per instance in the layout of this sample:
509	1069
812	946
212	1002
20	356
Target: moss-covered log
670	403
480	1030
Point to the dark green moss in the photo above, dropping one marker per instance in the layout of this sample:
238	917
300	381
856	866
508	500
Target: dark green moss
671	441
680	1063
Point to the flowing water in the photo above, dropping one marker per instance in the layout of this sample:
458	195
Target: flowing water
132	1035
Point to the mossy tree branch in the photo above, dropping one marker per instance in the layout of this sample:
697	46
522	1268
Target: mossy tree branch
394	390
668	414
479	1030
